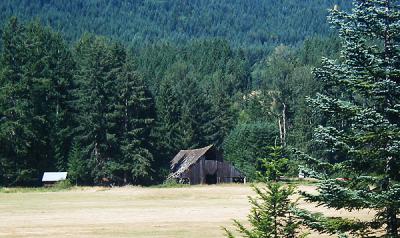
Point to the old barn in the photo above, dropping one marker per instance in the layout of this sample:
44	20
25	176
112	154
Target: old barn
203	166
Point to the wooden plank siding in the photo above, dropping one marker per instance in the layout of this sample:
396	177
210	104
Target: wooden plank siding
225	172
203	166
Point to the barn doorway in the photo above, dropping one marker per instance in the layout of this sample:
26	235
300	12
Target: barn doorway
211	179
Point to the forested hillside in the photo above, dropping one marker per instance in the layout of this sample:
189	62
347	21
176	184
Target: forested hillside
256	23
110	91
120	106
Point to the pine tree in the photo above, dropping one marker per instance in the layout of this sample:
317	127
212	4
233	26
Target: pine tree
274	165
77	169
167	131
37	78
136	119
271	214
16	130
98	68
222	116
51	67
362	99
195	112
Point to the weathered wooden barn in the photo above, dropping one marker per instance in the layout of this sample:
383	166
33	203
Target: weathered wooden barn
203	166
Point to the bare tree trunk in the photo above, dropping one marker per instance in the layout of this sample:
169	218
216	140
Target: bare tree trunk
280	130
284	124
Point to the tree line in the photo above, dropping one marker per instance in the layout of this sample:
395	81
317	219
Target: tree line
99	109
60	106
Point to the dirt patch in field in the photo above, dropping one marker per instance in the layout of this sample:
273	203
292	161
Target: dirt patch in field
198	211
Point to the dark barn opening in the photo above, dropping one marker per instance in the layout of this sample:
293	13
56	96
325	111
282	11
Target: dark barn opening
211	179
203	166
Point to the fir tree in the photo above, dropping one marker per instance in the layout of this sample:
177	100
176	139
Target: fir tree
222	116
51	68
37	78
274	165
271	214
136	119
96	92
76	164
195	112
362	101
167	129
16	130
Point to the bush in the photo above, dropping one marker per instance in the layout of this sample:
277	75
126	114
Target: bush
271	214
171	183
61	185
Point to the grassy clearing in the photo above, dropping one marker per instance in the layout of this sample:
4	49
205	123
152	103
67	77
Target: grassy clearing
197	211
190	211
61	186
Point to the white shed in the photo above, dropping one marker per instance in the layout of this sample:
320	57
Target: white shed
53	177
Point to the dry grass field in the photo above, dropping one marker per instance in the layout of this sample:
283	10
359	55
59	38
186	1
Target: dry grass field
195	212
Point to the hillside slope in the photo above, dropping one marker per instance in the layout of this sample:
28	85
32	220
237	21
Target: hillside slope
255	23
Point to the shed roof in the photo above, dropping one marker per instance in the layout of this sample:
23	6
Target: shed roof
54	176
185	158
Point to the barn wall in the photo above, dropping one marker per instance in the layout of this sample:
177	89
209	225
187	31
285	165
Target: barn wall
197	173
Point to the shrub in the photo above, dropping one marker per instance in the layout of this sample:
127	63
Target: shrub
271	214
66	184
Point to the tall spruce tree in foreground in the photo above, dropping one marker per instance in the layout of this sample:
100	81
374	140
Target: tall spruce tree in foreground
362	102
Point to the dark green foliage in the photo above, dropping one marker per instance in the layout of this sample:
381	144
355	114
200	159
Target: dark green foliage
360	102
271	214
135	113
223	117
188	116
35	90
105	113
77	167
274	166
258	24
247	143
168	116
285	82
334	225
96	79
116	113
16	110
194	98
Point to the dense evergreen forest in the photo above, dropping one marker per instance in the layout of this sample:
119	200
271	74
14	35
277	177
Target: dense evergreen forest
110	91
256	25
120	106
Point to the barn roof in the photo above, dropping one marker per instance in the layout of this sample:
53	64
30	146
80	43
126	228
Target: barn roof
54	176
185	158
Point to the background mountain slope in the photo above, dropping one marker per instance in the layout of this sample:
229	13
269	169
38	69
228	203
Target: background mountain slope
255	23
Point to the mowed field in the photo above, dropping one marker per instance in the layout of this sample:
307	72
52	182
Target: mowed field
195	212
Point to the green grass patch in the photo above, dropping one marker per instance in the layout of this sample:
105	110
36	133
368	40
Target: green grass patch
60	186
170	183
